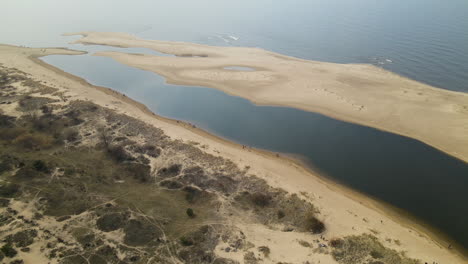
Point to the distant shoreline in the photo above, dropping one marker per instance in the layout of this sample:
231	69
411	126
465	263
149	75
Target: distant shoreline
229	149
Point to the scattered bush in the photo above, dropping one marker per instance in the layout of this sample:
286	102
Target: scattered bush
281	214
249	258
41	166
4	202
186	241
9	190
29	103
260	199
265	250
197	237
9	251
22	238
171	171
118	153
376	254
46	110
336	243
110	222
140	172
304	243
5	165
190	213
314	225
6	121
152	151
194	195
142	159
171	184
42	123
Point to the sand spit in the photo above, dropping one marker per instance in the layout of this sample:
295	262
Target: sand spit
358	93
345	212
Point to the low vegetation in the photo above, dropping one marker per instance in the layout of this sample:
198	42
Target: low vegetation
366	249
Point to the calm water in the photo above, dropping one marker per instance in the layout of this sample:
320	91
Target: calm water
425	40
396	169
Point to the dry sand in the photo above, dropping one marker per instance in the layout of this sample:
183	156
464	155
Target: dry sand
344	211
358	93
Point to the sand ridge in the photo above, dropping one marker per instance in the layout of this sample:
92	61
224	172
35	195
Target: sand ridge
358	93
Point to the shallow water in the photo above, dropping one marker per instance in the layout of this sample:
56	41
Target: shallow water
425	40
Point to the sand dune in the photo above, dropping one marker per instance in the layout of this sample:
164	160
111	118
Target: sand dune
358	93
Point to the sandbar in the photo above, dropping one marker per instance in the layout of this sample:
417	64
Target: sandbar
358	93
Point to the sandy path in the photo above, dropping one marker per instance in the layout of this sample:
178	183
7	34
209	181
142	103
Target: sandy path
358	93
344	211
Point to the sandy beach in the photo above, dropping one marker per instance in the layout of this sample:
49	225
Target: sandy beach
358	93
345	211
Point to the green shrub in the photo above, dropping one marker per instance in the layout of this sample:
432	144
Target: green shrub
42	123
5	166
171	171
314	225
265	250
9	190
140	172
304	243
336	242
261	199
41	166
376	254
281	214
9	251
118	153
110	222
186	241
46	110
6	121
190	213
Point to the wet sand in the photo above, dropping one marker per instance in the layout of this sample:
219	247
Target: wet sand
358	93
345	211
